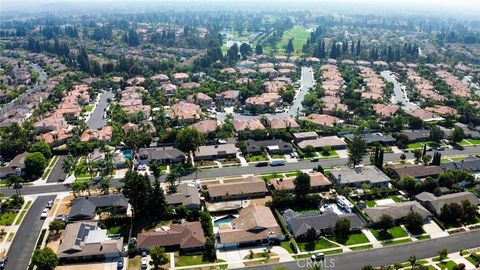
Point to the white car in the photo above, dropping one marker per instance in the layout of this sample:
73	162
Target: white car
44	214
144	262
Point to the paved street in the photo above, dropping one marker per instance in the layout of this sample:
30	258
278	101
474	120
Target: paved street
390	255
399	96
26	237
57	172
238	171
96	120
306	82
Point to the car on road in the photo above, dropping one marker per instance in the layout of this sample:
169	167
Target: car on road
144	262
318	257
315	159
261	164
445	141
44	214
49	204
277	162
3	262
120	263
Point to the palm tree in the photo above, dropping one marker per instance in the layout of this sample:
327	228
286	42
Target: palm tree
69	164
172	182
413	261
196	169
15	181
105	187
155	168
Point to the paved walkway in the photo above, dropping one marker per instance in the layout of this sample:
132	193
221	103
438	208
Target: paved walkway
375	243
434	230
242	159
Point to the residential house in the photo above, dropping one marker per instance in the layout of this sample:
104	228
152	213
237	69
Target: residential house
186	195
385	110
435	204
205	126
212	152
417	135
323	223
85	240
425	116
187	236
318	182
271	146
470	163
281	123
374	138
164	155
15	166
247	124
251	187
229	97
397	211
104	134
301	136
255	225
416	171
85	208
323	120
185	112
332	141
359	176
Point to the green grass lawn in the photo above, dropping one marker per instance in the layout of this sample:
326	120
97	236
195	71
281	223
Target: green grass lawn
423	237
286	245
320	244
135	262
278	156
474	141
471	260
330	154
88	108
361	247
395	232
419	145
114	230
299	35
353	239
396	242
20	217
371	203
7	218
293	174
254	158
333	251
447	265
268	177
395	198
186	260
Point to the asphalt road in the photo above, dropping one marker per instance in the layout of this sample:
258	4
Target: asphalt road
306	82
390	255
238	171
57	172
23	245
96	120
399	96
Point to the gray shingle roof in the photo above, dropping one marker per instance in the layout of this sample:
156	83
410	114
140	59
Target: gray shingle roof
84	207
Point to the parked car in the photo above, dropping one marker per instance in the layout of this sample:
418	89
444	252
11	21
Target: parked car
318	257
144	262
261	164
3	262
49	204
44	214
315	159
120	263
63	218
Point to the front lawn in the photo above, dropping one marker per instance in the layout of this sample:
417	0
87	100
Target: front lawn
135	262
320	244
361	247
268	177
277	156
88	108
396	242
287	246
7	218
254	158
474	141
186	260
371	203
447	265
395	232
353	239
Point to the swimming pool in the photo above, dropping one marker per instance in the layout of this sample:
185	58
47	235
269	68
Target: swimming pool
128	154
223	220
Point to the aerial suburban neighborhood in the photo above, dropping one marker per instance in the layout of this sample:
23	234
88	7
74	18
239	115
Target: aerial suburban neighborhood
276	135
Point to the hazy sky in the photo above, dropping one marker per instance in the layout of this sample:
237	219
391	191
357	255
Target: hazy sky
454	7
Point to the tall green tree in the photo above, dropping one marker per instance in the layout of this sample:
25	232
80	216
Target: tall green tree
159	257
42	147
457	135
189	139
302	183
35	164
45	259
15	182
357	149
258	49
138	189
289	49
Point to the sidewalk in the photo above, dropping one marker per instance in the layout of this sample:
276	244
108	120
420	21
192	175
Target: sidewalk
375	243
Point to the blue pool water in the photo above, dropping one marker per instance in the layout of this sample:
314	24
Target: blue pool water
223	220
128	153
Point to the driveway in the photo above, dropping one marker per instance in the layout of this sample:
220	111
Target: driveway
96	120
57	172
25	239
432	228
